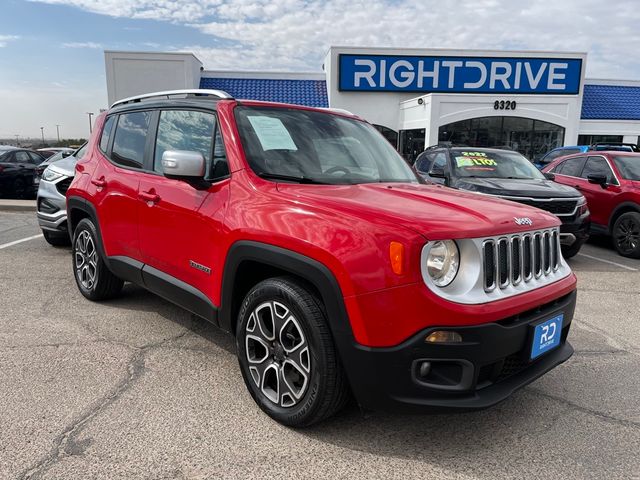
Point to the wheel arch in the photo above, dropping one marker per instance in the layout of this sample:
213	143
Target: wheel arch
249	262
77	209
621	209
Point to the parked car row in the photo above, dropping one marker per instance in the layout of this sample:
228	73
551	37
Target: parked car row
18	172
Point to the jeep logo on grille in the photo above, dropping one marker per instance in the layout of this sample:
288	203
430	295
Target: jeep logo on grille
523	221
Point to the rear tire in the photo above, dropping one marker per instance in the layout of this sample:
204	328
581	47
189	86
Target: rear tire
626	235
56	240
287	356
95	281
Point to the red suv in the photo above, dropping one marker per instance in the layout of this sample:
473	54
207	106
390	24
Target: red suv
303	233
610	181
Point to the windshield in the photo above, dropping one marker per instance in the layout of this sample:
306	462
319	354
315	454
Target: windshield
55	157
315	147
492	164
629	166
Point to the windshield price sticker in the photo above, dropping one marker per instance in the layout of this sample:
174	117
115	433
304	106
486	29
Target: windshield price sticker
272	133
470	160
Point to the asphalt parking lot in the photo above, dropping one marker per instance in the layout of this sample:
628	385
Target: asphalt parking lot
138	388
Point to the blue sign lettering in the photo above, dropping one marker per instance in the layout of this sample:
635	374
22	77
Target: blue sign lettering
380	73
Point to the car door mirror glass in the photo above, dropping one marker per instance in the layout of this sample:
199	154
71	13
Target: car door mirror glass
549	176
183	164
437	171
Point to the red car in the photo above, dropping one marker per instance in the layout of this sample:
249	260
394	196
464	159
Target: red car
303	233
610	181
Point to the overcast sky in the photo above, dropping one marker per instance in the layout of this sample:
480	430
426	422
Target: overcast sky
52	61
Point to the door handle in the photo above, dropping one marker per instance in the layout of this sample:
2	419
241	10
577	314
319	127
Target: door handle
100	182
150	197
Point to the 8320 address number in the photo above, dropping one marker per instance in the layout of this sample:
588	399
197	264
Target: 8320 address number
504	105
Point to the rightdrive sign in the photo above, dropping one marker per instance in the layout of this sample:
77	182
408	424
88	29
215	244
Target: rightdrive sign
449	74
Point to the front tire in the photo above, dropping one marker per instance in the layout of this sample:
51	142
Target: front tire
571	250
626	235
287	355
95	281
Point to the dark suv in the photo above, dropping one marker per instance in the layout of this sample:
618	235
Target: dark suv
509	175
305	234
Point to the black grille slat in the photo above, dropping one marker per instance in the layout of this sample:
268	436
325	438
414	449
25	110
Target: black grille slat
547	252
489	263
537	255
526	257
558	207
503	262
554	250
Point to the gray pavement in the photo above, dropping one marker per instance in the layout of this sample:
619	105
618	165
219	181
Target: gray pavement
138	388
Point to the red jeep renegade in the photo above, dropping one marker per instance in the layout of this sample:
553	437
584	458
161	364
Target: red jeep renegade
303	233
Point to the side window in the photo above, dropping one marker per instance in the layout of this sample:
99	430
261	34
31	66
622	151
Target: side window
184	130
439	162
423	162
597	166
219	165
130	139
571	167
80	153
22	157
106	134
35	158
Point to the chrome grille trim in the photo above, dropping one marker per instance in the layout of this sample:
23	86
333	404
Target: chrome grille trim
537	256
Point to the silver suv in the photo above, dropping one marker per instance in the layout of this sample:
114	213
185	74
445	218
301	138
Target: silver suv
52	202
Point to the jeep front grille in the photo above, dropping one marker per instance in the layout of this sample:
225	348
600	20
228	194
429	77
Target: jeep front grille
512	259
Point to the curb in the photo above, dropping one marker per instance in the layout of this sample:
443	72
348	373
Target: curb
17	205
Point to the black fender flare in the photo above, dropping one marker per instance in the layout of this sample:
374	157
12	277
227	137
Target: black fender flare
310	270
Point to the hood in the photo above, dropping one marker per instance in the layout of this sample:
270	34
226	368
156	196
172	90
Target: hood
517	187
66	166
434	211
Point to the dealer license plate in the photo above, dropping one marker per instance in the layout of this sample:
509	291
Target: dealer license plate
546	336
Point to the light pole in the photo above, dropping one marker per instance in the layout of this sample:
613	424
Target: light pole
17	140
58	130
90	126
42	132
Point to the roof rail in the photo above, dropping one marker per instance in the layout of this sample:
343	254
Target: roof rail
168	93
338	110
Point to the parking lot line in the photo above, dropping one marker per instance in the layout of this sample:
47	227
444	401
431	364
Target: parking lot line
15	242
609	262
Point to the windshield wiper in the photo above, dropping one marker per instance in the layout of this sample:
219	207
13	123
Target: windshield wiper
290	178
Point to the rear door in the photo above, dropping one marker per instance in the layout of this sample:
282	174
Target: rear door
568	172
114	183
181	226
600	200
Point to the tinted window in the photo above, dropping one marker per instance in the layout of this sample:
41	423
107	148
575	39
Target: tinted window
597	166
492	164
35	158
629	166
184	130
130	138
106	134
423	162
22	157
219	166
571	167
559	153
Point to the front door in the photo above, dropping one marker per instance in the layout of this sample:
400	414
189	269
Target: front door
181	225
598	198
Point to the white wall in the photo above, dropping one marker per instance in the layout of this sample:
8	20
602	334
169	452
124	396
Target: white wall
629	129
134	73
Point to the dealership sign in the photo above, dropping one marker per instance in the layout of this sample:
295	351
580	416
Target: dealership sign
399	73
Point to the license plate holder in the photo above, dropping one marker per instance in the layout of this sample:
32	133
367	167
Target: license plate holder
545	336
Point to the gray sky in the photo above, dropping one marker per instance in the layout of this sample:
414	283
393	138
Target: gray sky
52	63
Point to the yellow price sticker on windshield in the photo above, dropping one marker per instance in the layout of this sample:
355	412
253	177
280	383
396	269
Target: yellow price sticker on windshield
469	161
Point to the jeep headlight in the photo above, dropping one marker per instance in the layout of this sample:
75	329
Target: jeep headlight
443	261
51	175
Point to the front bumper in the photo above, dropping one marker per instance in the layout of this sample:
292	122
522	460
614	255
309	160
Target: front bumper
575	229
51	207
487	367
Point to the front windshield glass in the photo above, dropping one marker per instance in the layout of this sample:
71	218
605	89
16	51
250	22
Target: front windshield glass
55	157
315	147
492	164
629	166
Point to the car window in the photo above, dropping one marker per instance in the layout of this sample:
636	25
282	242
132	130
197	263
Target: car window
219	165
628	166
571	167
423	162
106	134
597	166
80	152
184	130
35	158
440	160
130	139
22	157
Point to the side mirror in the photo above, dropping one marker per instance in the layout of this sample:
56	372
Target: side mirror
183	164
437	172
66	154
598	179
549	175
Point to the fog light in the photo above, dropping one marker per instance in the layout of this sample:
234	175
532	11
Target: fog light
443	336
425	368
